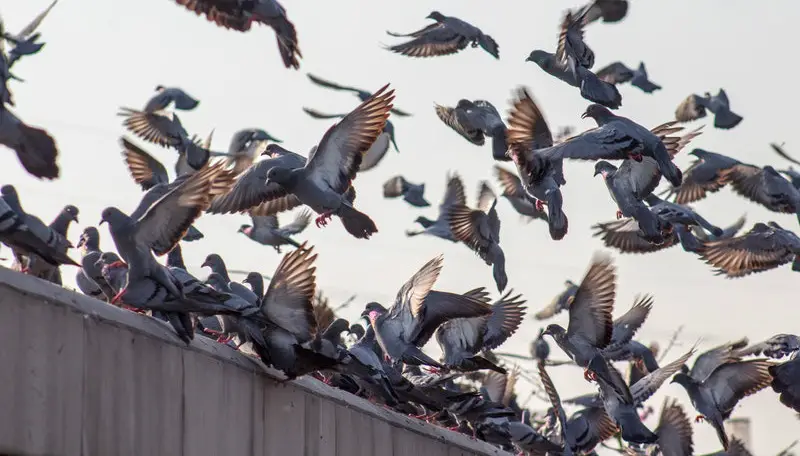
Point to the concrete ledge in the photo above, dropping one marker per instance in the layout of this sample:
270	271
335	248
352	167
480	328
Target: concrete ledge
80	377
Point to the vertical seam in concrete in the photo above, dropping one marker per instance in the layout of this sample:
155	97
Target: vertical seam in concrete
84	407
183	402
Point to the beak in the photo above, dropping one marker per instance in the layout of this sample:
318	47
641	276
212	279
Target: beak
596	172
102	221
75	218
205	263
528	59
81	242
583	116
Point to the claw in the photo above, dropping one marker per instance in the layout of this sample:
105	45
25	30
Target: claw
323	218
540	205
699	419
25	270
589	376
619	215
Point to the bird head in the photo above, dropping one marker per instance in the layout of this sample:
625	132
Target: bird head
111	215
683	378
596	112
89	234
279	175
214	280
8	191
72	212
245	229
554	331
604	168
253	278
273	150
538	56
211	260
159	88
373	316
697	152
436	16
261	135
372	307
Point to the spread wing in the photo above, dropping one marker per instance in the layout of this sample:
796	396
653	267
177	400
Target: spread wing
434	40
225	13
527	127
394	187
509	182
650	383
485	196
468	225
506	316
734	381
264	221
143	167
709	361
571	42
410	299
590	311
454	194
691	108
288	301
674	430
750	182
610	142
455	119
331	85
34	24
626	326
615	73
623	235
335	163
161	127
758	250
298	224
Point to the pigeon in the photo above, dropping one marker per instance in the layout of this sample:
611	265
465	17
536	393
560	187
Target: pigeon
462	338
374	155
775	347
625	236
694	107
329	172
705	175
514	192
610	11
540	176
89	277
764	247
217	266
448	35
412	193
619	138
454	196
236	326
727	232
540	349
362	95
560	302
480	231
114	272
240	15
786	382
35	148
157	228
718	381
673	213
674	430
764	186
590	324
25	42
29	240
474	120
625	327
266	231
618	73
256	282
60	226
166	96
417	312
246	145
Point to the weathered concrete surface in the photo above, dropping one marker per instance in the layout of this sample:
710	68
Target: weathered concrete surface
80	377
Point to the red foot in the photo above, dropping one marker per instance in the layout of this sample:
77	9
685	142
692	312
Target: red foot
212	332
453	428
387	358
434	370
540	205
636	157
619	215
223	339
589	376
133	309
322	220
116	299
699	419
25	270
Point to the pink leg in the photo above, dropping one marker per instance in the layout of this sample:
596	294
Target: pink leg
589	375
540	205
619	215
116	299
323	218
212	332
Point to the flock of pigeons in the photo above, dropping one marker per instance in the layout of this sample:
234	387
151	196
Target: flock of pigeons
289	326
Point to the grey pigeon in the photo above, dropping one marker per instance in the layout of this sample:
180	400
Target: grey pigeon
793	175
60	226
448	35
775	347
114	272
266	231
540	349
625	327
610	11
25	42
217	266
412	193
619	138
674	213
256	282
474	120
29	240
89	277
35	148
764	247
454	195
240	16
374	155
674	430
727	232
247	145
540	176
764	186
705	175
329	172
625	236
362	95
462	338
237	326
417	312
166	96
618	73
514	192
718	381
560	302
590	323
480	231
157	228
786	382
694	107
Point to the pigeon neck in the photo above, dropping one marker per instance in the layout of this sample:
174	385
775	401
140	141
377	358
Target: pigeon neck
258	287
175	258
61	223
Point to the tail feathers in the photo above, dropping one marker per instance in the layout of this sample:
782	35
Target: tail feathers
637	432
309	361
291	242
649	225
726	119
416	357
192	234
596	90
357	223
482	363
556	218
499	143
723	437
37	152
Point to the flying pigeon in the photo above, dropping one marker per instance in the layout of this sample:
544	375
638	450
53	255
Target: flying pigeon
247	145
673	213
560	302
362	95
764	247
454	196
266	231
514	192
25	42
674	430
416	313
618	73
610	11
703	176
462	338
479	230
330	170
26	239
412	193
239	16
718	381
166	96
694	107
764	186
727	232
35	148
625	236
540	176
448	35
474	120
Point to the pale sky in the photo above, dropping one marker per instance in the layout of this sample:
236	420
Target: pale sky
103	55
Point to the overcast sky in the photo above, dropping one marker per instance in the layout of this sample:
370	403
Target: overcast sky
103	55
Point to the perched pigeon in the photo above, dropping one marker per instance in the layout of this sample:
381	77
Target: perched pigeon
764	186
28	240
35	148
114	272
448	35
247	145
25	42
514	192
474	120
60	226
786	382
236	326
694	107
256	282
718	381
540	176
454	196
480	231
417	312
239	16
362	95
560	302
90	278
764	247
618	73
412	193
329	172
727	232
217	266
462	338
705	175
610	11
266	231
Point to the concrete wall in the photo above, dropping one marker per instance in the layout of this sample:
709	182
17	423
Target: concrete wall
79	377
